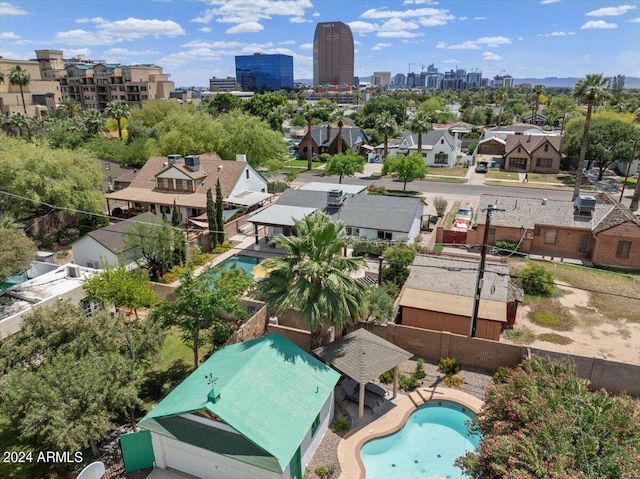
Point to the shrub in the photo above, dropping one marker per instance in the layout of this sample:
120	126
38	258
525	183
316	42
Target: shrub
502	374
277	186
223	248
507	246
380	306
169	277
387	377
377	190
321	471
441	205
537	281
419	373
340	424
454	381
408	383
449	366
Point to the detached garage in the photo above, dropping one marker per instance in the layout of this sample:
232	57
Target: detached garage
253	410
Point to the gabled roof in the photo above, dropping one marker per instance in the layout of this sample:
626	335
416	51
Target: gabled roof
113	236
530	143
410	139
269	390
617	215
350	135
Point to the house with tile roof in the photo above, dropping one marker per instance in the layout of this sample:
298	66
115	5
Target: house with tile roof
165	179
439	295
256	409
325	139
602	230
532	153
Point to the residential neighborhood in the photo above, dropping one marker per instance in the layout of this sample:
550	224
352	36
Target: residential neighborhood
306	270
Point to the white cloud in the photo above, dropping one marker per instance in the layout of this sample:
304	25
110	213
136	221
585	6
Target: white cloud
299	20
557	34
428	17
399	34
635	20
362	27
598	24
125	52
490	56
247	27
74	52
251	11
451	60
9	36
611	11
306	46
83	20
316	14
205	29
109	33
462	19
380	46
493	41
468	45
479	18
395	24
7	9
547	2
287	42
419	2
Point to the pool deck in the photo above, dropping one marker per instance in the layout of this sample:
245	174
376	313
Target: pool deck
349	448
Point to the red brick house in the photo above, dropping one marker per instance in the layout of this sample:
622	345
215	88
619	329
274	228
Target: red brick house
532	153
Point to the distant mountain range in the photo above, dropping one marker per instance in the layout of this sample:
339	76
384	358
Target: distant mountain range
549	82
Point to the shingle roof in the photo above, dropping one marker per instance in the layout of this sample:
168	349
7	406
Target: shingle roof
430	138
530	143
350	135
267	389
362	355
617	215
229	172
113	236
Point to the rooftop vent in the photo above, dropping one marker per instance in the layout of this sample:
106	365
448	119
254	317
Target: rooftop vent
335	198
173	159
192	162
584	204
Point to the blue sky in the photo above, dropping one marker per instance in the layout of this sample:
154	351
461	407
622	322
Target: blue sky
195	40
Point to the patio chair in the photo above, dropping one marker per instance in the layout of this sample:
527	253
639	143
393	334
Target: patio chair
352	394
374	389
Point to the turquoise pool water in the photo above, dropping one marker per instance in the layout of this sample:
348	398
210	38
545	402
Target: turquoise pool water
434	436
240	261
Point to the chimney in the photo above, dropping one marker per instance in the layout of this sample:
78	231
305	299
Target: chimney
242	157
529	139
328	131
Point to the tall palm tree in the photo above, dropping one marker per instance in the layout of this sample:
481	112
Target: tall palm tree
338	115
538	90
70	108
500	97
420	124
386	126
117	110
308	111
313	276
94	122
281	113
590	89
21	78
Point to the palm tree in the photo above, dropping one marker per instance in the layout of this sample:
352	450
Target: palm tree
313	276
70	108
500	97
20	124
386	126
590	89
94	122
339	116
281	113
21	78
538	90
420	124
308	111
117	110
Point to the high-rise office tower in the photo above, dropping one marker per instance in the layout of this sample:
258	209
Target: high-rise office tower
333	54
260	72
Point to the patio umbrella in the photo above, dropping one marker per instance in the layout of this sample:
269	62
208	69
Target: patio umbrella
260	271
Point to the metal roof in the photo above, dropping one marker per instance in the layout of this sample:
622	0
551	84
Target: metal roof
347	189
452	304
362	355
281	215
247	198
269	390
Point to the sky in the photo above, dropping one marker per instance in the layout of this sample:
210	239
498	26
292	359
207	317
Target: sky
197	39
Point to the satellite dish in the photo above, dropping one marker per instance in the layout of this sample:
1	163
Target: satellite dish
95	470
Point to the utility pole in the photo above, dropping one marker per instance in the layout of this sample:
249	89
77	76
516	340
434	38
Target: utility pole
483	256
631	158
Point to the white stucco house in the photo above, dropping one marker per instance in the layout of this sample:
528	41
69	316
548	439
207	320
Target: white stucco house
440	149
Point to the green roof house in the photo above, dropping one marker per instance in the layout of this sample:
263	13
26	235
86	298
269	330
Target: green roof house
256	409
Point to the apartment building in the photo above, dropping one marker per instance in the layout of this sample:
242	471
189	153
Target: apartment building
40	94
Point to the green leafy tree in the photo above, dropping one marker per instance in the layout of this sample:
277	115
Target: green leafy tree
592	90
154	112
180	246
405	167
19	123
543	421
278	115
188	131
222	103
309	112
21	78
199	301
537	281
16	251
386	126
219	212
212	219
345	164
420	124
398	258
380	307
154	244
538	91
120	288
368	118
263	104
117	111
314	278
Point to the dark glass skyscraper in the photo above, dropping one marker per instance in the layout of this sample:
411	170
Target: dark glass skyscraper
333	54
261	72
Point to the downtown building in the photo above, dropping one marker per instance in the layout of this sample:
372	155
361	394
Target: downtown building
264	72
333	55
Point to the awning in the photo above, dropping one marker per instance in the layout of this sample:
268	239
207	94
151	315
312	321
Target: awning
247	198
203	220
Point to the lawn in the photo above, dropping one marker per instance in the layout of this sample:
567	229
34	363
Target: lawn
502	175
631	182
302	164
557	178
444	179
455	171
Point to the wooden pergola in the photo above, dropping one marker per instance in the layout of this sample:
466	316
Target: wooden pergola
363	356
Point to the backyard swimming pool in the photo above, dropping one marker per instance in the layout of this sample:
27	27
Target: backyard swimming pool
433	437
240	261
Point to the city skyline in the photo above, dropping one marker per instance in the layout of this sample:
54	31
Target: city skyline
194	41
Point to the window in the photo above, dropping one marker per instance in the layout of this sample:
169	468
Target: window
352	231
546	147
163	183
623	249
518	163
385	235
441	158
442	141
166	209
544	162
536	232
246	172
550	236
315	425
582	247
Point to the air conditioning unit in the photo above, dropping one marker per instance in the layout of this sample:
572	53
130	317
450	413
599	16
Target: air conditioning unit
192	162
73	271
584	204
172	159
335	198
273	320
45	257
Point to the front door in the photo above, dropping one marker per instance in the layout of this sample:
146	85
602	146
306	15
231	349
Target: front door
582	247
296	466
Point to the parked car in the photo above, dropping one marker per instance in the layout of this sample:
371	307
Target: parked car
464	213
482	167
